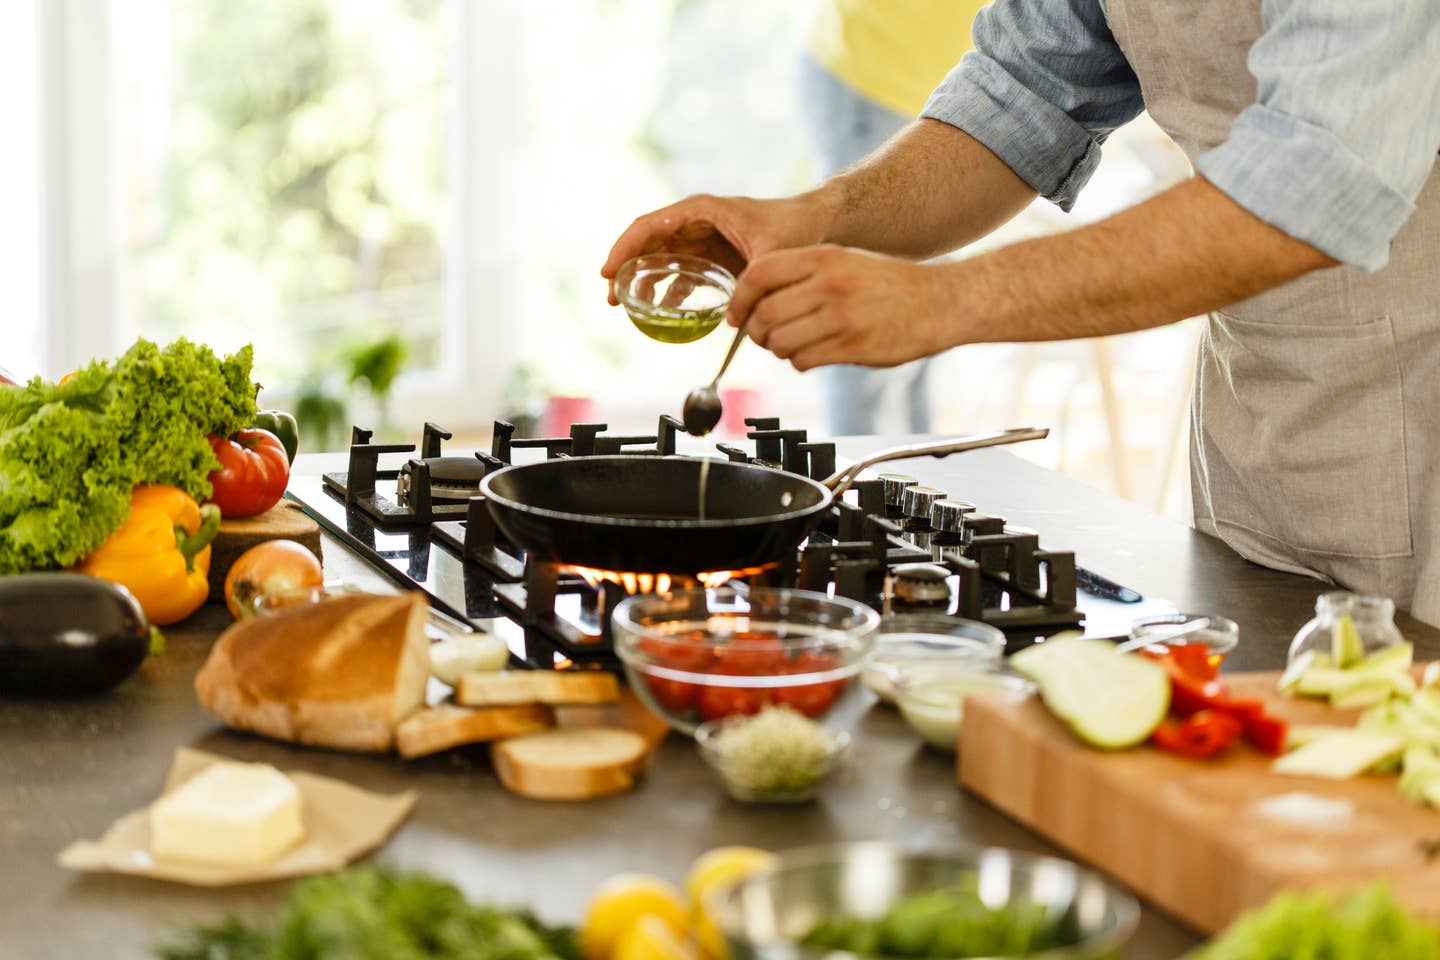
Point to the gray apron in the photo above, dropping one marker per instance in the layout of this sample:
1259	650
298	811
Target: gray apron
1316	415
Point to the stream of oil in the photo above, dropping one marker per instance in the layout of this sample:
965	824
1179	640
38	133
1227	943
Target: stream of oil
704	485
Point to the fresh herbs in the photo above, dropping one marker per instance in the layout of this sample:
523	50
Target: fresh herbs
374	914
71	453
1309	926
776	754
949	922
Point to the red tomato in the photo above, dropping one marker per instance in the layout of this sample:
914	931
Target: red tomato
811	699
678	654
253	474
716	702
677	696
749	654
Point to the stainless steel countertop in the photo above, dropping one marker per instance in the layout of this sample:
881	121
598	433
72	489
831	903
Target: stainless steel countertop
67	769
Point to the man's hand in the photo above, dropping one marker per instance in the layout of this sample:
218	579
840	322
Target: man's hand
825	304
730	231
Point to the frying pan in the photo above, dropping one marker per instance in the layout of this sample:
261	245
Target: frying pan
640	513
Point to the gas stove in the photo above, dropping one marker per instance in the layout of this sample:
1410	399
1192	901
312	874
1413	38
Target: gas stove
890	542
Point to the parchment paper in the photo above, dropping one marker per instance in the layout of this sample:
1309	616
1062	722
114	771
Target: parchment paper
342	822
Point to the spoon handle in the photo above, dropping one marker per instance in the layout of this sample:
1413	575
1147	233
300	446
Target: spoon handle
734	345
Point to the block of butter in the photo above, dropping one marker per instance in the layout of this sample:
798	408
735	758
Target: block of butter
230	814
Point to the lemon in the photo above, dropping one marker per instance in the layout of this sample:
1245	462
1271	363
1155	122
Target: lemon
715	870
622	900
721	867
651	938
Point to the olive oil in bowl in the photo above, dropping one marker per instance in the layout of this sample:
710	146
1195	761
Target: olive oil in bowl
676	326
674	298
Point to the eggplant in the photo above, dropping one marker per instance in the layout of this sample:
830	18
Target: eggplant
67	635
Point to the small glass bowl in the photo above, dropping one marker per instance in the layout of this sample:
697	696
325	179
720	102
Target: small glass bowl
694	655
930	638
1219	636
1373	619
737	779
673	297
931	696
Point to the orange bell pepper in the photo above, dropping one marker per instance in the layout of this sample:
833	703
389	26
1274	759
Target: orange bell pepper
161	553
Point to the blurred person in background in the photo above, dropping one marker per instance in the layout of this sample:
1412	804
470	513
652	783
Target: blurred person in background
868	70
1309	236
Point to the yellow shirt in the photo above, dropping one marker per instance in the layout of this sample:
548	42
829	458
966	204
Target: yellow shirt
893	52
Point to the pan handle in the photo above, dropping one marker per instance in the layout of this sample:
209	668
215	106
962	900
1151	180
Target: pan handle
841	480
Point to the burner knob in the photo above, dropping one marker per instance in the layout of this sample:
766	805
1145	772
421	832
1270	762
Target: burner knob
894	485
948	516
921	585
918	501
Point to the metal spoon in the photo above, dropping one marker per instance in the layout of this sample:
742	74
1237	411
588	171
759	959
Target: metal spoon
702	405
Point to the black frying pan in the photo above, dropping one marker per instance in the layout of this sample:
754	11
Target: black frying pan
640	514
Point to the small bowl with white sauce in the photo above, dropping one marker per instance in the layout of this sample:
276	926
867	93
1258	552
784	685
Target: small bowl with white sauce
915	639
931	696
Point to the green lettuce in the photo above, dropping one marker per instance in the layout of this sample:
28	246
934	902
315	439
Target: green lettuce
375	914
1320	926
71	453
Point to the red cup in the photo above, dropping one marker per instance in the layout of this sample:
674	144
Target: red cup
561	412
736	405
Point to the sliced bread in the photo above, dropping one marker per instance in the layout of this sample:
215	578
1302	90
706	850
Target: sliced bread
447	725
340	673
518	687
571	764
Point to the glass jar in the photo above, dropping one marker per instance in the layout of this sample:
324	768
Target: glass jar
1373	619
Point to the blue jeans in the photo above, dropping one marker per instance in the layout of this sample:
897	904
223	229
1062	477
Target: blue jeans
843	127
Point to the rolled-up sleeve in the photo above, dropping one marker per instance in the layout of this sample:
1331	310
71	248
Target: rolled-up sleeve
1043	88
1345	127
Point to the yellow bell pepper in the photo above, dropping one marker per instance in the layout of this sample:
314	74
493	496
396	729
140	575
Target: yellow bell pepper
161	553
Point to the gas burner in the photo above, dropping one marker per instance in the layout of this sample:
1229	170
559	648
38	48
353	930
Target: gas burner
452	479
921	585
890	542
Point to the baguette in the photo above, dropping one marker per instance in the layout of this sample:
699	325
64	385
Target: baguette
571	764
518	687
341	673
445	726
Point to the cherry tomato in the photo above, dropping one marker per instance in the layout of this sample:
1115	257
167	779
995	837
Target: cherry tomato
677	696
811	699
750	654
253	474
682	653
716	701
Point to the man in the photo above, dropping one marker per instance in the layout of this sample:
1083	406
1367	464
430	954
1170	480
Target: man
869	68
1311	236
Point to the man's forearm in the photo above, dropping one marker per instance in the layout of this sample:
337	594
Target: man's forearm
1187	251
931	190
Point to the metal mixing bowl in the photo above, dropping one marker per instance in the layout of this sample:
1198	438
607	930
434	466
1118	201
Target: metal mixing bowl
764	916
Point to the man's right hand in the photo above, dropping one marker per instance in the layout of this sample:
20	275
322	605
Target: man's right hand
730	231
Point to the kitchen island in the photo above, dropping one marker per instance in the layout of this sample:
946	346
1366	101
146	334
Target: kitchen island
67	769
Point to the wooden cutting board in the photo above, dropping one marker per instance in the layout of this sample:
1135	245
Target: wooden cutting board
1188	835
284	521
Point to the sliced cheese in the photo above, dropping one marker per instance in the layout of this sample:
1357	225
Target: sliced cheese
1339	756
230	814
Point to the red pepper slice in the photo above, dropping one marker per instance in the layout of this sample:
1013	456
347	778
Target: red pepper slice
1266	734
1202	734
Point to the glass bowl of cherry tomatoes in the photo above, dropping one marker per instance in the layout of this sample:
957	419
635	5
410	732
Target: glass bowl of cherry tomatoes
699	655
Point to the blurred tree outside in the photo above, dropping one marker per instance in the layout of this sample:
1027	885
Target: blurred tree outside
301	193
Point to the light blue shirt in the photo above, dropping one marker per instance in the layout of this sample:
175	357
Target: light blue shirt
1348	107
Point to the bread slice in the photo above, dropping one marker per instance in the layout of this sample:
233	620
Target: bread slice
571	764
341	673
446	725
517	687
